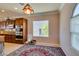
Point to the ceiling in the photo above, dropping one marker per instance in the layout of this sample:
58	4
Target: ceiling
15	9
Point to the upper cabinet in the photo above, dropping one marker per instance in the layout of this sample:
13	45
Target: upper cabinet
19	21
2	25
10	22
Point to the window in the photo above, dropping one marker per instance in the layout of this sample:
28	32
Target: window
76	11
40	28
74	28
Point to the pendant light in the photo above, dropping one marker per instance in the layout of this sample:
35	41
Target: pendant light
28	9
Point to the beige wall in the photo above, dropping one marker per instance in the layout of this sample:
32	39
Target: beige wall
65	35
53	18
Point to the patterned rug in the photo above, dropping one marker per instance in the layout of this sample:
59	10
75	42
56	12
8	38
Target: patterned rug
37	50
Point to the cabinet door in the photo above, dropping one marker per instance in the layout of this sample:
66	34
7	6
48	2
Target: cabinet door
19	21
7	38
10	38
2	25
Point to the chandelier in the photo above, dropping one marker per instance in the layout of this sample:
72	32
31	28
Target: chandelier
28	9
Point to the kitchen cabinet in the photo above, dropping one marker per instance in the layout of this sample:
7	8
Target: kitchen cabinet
10	38
21	30
15	31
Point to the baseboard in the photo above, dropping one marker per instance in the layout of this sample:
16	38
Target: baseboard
47	44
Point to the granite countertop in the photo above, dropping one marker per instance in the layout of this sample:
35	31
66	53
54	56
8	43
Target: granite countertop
7	32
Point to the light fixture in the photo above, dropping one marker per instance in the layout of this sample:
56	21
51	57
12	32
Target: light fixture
28	9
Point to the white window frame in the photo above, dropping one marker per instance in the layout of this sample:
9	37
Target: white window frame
74	30
41	35
74	11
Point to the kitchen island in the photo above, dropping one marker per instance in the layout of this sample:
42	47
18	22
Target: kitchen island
9	36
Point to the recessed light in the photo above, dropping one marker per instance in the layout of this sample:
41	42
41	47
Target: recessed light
2	10
15	8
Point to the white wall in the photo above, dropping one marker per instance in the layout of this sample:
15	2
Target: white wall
65	36
53	18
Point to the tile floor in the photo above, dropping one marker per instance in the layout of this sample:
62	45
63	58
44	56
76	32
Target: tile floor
10	47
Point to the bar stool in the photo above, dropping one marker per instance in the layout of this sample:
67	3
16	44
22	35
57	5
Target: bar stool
2	39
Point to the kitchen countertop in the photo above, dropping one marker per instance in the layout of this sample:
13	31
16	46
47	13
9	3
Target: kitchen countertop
7	33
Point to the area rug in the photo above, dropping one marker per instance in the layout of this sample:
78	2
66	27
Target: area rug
37	50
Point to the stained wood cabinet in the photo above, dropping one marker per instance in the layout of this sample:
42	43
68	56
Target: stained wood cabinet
21	30
10	38
20	26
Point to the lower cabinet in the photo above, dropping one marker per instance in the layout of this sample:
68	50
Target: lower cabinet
10	38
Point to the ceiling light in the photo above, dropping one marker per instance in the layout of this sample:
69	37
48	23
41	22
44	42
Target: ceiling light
28	9
2	10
